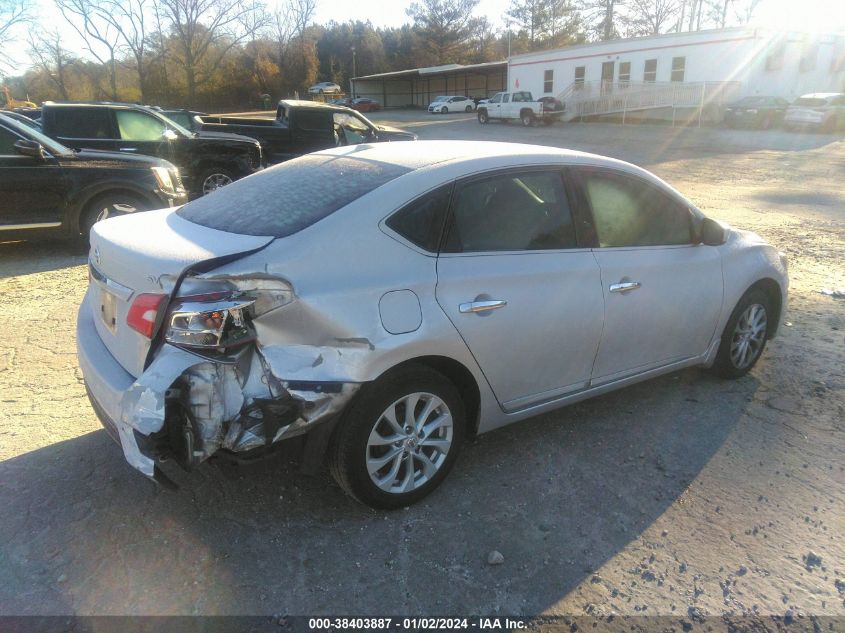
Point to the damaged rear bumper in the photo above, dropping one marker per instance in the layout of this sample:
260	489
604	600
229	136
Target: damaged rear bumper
186	407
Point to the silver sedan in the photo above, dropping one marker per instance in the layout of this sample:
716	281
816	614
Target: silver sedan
384	302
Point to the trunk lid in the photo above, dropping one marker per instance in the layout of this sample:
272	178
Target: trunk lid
145	253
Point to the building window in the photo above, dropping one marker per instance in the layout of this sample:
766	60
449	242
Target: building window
624	72
579	76
808	58
678	66
776	56
548	81
650	72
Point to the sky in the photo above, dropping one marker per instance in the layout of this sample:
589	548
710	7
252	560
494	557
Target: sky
798	15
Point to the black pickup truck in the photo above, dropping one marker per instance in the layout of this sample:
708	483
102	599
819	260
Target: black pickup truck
301	127
205	162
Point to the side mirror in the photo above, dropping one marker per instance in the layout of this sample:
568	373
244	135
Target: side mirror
712	232
170	135
29	148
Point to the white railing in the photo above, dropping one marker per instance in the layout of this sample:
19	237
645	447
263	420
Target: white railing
595	98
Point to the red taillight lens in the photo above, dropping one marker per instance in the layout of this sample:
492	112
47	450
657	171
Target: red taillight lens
143	313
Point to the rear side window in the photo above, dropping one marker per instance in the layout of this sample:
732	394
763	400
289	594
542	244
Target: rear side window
287	198
90	123
421	222
630	212
310	120
519	211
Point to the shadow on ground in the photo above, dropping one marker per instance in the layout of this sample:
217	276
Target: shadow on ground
37	256
557	495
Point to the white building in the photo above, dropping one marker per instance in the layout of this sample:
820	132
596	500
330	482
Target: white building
682	70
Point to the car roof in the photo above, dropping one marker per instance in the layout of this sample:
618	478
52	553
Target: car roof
821	95
419	154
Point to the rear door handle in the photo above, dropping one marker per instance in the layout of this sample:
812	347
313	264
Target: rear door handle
624	286
481	306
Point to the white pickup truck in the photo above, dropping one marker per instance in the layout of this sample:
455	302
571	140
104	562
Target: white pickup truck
519	106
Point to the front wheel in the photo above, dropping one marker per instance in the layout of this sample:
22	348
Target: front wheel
214	178
399	439
745	335
445	110
482	117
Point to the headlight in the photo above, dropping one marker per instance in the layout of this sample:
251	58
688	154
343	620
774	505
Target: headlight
165	182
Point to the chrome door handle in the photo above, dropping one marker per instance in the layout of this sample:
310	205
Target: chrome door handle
481	306
128	149
624	286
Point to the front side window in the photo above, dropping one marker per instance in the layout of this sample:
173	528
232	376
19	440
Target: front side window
139	126
520	211
505	98
650	70
421	222
628	211
679	65
496	98
548	80
350	129
7	143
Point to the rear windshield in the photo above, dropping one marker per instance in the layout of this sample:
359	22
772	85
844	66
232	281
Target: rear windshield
287	198
810	101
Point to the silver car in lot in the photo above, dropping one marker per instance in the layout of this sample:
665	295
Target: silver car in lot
824	111
383	302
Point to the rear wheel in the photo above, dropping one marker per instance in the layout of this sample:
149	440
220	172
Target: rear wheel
745	335
399	439
527	119
468	109
106	206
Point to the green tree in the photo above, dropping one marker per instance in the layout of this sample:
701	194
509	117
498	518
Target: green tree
445	29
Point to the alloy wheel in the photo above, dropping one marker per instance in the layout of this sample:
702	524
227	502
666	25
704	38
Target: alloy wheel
749	336
214	181
409	442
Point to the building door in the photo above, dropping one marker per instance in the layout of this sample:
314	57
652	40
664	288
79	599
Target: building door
607	70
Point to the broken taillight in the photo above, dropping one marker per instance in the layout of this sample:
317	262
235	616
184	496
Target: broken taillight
217	325
143	313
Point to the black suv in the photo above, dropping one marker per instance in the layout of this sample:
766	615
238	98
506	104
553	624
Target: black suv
205	163
49	189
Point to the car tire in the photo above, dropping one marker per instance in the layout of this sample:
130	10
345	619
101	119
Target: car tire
395	474
445	110
468	109
527	119
482	117
108	206
213	178
745	335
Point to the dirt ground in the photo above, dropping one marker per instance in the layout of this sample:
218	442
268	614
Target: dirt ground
683	496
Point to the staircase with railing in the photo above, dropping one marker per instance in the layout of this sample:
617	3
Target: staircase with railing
597	98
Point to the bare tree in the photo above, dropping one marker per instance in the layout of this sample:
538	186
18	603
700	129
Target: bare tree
13	13
601	17
49	56
90	19
133	20
204	31
652	17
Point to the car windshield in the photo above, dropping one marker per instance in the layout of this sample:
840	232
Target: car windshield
440	99
36	135
289	197
810	101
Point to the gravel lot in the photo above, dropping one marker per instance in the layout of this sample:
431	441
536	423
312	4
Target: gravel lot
683	496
